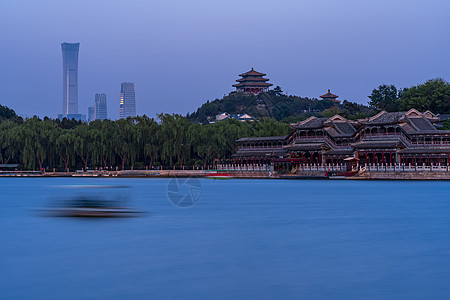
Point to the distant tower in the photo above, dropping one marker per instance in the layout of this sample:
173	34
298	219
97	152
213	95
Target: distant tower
127	100
101	109
91	114
252	82
70	78
330	96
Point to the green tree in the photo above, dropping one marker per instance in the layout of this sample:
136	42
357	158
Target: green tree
433	95
176	144
65	146
7	148
446	125
7	113
385	97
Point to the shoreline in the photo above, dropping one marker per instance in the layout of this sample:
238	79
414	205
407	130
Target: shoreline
304	175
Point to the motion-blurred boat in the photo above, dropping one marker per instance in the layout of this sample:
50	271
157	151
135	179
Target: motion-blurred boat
85	203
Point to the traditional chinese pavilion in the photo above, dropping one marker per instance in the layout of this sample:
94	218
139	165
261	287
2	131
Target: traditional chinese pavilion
330	96
252	82
408	138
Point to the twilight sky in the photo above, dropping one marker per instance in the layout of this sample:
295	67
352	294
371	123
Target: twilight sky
181	53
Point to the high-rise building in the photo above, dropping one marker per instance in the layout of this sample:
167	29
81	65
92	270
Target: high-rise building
91	114
101	109
70	78
127	100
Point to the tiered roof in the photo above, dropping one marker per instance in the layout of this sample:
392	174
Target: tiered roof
252	72
330	96
252	79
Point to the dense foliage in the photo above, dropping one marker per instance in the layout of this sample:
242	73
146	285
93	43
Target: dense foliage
274	104
446	125
7	113
137	143
433	95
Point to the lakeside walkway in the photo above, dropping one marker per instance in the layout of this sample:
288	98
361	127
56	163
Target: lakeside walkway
337	171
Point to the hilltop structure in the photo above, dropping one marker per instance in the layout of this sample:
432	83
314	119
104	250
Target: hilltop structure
252	82
330	96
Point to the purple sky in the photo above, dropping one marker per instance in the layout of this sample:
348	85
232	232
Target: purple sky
181	53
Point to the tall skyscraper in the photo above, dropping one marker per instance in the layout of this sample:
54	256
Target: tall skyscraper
91	114
70	78
127	100
101	109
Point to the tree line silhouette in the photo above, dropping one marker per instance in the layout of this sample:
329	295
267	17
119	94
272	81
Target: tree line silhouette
139	143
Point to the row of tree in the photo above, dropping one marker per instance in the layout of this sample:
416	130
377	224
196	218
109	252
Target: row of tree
171	140
433	95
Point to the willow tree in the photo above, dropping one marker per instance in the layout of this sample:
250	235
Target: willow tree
124	141
38	142
84	143
148	134
175	140
65	147
103	153
7	149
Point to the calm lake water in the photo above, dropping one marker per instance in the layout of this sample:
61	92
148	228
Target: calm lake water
243	239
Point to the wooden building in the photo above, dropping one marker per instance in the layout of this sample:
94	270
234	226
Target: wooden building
408	138
252	82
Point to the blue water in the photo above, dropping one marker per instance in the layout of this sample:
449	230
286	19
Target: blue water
243	239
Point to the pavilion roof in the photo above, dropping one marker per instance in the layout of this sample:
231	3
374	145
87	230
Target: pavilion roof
252	79
310	123
384	118
421	124
329	95
252	72
250	84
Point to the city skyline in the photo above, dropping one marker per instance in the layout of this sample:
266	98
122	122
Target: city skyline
101	107
182	54
127	100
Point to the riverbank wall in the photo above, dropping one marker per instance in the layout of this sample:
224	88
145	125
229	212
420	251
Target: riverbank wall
243	174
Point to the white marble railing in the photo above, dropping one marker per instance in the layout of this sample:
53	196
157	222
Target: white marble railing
243	167
405	168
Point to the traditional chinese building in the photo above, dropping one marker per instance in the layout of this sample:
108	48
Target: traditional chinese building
388	138
330	96
252	82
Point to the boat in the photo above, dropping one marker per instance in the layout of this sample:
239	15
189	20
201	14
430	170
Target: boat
219	175
83	202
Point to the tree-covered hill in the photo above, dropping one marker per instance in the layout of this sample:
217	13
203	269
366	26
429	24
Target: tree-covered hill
276	105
